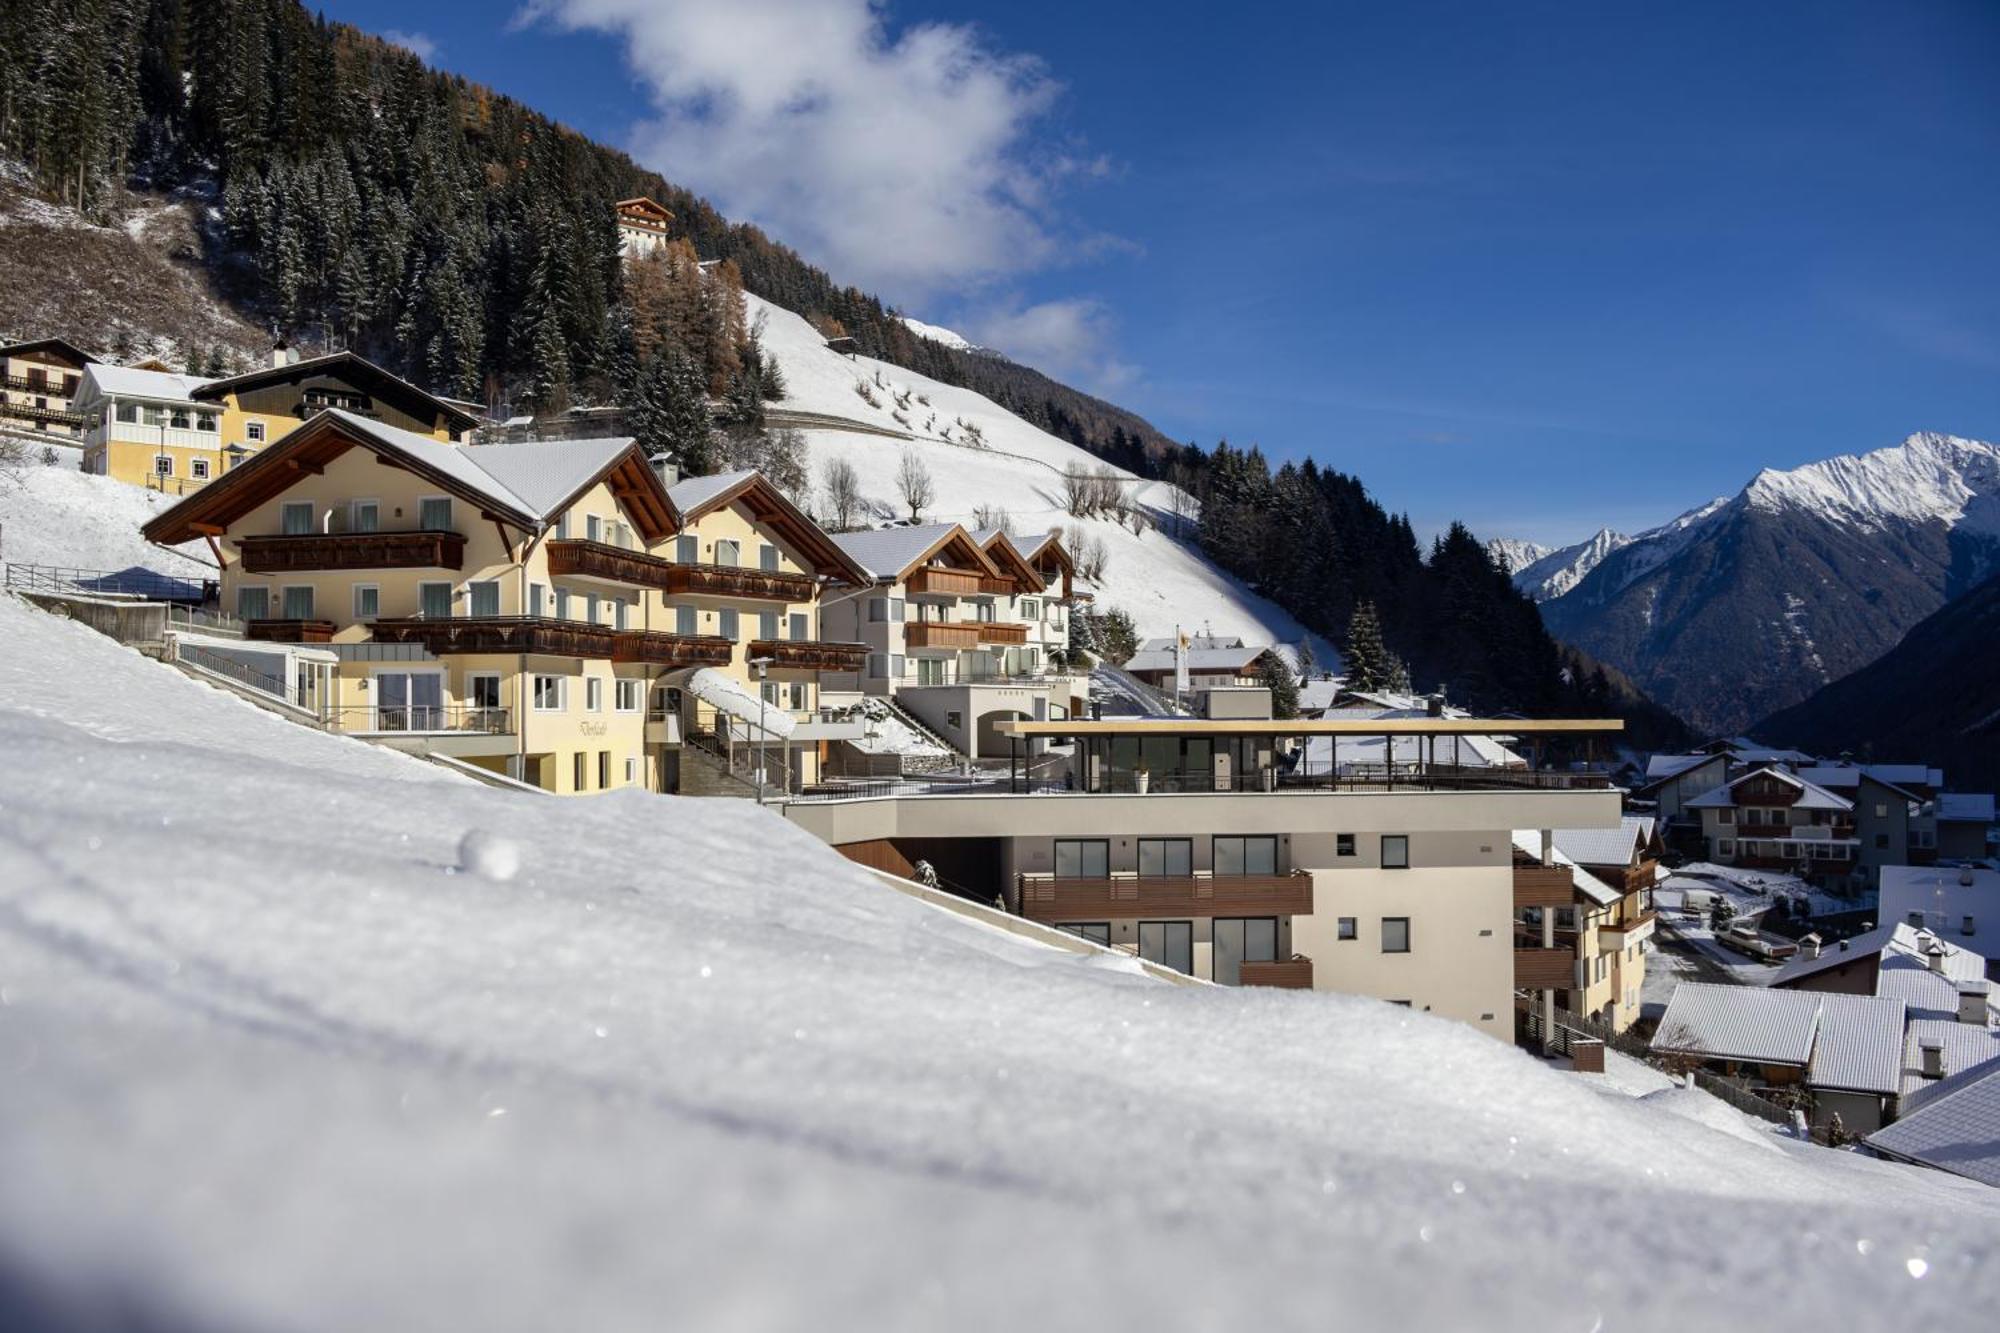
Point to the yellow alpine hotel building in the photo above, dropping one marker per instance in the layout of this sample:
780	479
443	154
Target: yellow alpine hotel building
549	611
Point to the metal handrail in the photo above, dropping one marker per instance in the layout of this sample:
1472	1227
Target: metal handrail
420	719
146	584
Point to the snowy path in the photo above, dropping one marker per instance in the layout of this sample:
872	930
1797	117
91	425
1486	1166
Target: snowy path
266	1061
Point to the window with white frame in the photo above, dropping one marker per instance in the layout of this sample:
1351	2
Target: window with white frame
549	694
483	597
630	695
687	549
364	516
253	602
367	601
298	602
163	465
686	620
726	623
801	626
593	694
593	528
295	518
728	552
631	770
538	599
198	468
434	513
767	624
434	601
767	558
253	431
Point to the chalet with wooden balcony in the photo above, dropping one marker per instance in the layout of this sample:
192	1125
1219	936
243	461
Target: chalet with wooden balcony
1583	916
1770	819
546	584
642	226
960	627
39	384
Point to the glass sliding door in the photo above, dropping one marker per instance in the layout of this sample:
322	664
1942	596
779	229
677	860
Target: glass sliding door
1246	856
1166	856
409	701
1168	943
1240	940
1082	858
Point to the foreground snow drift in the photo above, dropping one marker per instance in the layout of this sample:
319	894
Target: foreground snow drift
270	1059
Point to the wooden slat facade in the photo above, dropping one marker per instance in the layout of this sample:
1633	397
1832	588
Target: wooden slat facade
1294	973
1543	886
1544	969
941	634
936	582
997	631
1045	898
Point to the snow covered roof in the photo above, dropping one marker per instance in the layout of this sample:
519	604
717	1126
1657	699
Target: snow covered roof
1740	1023
1195	642
695	494
1811	797
888	554
545	476
1529	842
1893	941
1929	992
351	368
1943	897
131	382
1965	807
1236	658
1317	695
1955	1127
527	484
1961	1047
1662	766
1606	846
1860	1044
1847	777
770	506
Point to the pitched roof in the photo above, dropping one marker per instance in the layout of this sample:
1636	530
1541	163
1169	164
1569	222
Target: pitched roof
1661	766
1955	1127
62	345
1740	1023
352	368
1605	846
770	506
1860	1045
1198	659
1965	807
1002	551
1961	1047
642	204
131	382
1811	797
1848	777
484	475
889	554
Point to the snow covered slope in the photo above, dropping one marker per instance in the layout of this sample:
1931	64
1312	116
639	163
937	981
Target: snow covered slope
58	516
937	334
274	1062
1009	464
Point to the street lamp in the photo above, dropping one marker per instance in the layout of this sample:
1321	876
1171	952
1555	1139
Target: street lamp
762	665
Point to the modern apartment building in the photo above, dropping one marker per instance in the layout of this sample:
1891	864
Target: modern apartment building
963	633
39	381
1166	838
179	432
548	611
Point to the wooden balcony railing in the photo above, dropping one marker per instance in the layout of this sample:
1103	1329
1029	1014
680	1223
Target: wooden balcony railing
1543	886
996	631
272	554
1047	898
1294	973
289	631
935	582
810	654
558	638
941	634
1545	969
996	587
578	558
767	585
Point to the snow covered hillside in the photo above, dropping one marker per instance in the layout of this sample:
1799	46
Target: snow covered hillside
273	1060
938	334
1008	464
59	516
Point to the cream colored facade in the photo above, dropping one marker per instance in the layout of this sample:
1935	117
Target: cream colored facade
1434	932
39	382
553	650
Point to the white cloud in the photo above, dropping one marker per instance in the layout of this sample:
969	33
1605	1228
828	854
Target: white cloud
1070	340
421	45
907	162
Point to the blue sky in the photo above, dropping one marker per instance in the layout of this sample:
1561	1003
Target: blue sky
1539	266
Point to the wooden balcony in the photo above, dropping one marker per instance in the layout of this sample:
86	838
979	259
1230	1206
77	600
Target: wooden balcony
1543	886
1545	969
571	557
1046	898
996	631
290	631
767	585
932	581
274	554
1630	931
941	634
1294	973
810	654
556	638
996	587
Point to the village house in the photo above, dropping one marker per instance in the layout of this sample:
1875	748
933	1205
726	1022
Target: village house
548	612
39	381
964	634
1211	660
1769	819
642	227
1583	927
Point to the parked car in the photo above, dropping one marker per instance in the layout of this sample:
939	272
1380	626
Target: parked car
1745	938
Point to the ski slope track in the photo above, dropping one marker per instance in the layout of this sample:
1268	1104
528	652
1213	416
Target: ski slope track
1162	581
276	1054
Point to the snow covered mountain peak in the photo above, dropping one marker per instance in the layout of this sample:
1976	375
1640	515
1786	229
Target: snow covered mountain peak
937	333
1556	570
1928	477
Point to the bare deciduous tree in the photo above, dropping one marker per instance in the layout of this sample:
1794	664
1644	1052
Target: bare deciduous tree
1076	491
914	484
843	494
1086	549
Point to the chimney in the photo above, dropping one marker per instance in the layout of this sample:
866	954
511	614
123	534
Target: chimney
1435	705
1933	1057
281	354
1813	944
1972	1001
1934	956
669	471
